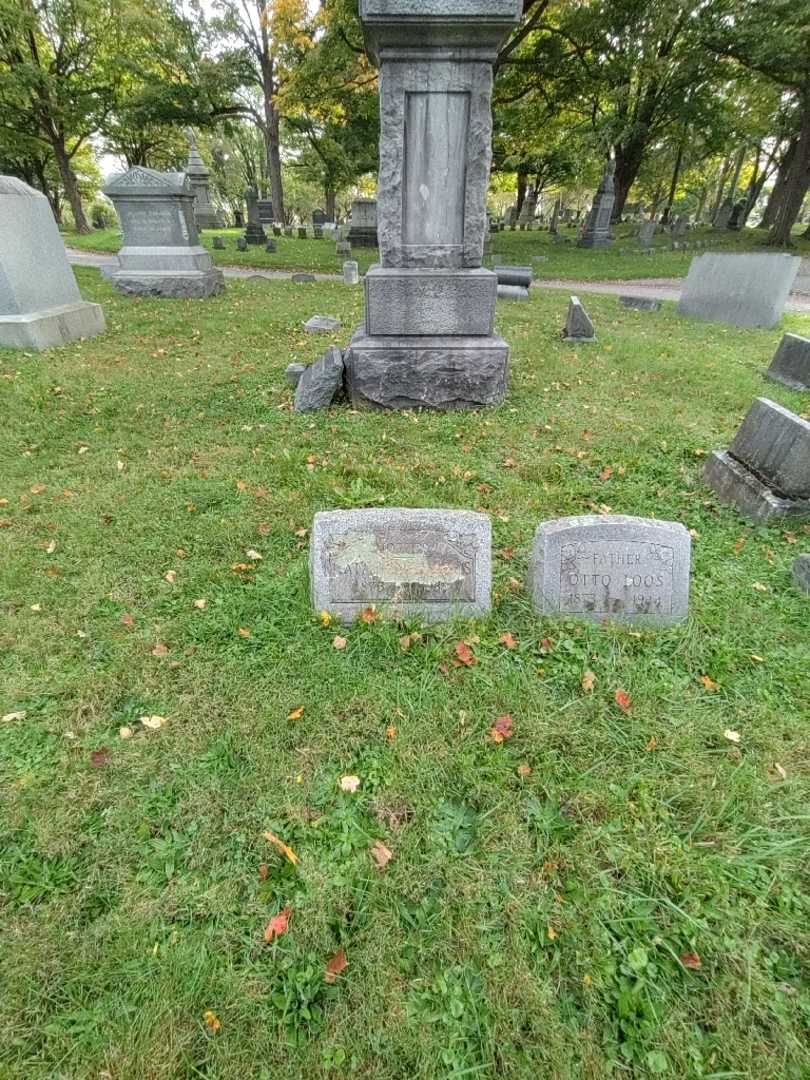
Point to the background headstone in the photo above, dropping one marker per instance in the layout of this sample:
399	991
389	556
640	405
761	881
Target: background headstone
363	230
743	290
801	573
514	275
433	564
265	208
40	303
161	253
351	272
322	324
640	303
646	233
254	232
578	325
599	567
205	215
596	233
791	363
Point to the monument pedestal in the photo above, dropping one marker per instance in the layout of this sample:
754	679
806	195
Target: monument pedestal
47	329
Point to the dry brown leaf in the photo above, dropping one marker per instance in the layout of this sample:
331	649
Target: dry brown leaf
508	641
465	654
369	615
692	961
340	642
708	684
99	758
381	854
524	770
588	680
212	1021
335	966
170	576
391	732
296	714
244	632
501	729
127	619
160	649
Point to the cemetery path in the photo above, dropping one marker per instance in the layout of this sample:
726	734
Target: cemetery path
653	288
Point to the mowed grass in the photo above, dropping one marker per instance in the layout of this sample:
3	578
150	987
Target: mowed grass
622	262
529	924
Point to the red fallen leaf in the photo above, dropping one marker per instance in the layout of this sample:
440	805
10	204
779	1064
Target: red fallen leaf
546	645
508	641
692	961
507	553
334	966
278	924
369	615
623	700
99	758
127	619
465	654
501	729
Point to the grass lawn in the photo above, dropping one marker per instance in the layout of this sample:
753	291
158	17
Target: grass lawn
530	923
565	260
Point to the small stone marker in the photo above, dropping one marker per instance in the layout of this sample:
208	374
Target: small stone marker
646	233
627	569
270	246
40	303
322	324
218	244
512	292
743	290
801	573
343	247
791	363
514	275
241	243
765	473
302	279
294	372
351	272
277	230
302	232
434	564
578	325
162	254
320	382
288	230
640	303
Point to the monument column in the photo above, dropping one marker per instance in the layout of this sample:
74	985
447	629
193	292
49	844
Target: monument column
428	338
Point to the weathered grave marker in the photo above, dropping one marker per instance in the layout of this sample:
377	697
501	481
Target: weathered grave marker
322	324
578	325
351	273
596	233
434	564
801	573
791	363
320	382
640	303
744	290
626	569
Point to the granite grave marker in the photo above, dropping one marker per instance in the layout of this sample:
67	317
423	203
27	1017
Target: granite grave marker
791	363
743	290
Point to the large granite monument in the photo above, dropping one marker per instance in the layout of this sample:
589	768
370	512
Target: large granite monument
744	290
40	304
428	338
162	254
596	233
434	564
205	216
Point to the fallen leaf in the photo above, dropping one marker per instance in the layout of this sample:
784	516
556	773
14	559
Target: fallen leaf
622	700
51	548
509	463
340	642
296	714
282	847
36	607
381	854
692	961
523	771
552	933
651	745
153	722
99	758
264	871
546	645
264	528
780	769
739	544
212	1021
244	632
278	924
760	587
369	615
465	654
125	733
37	489
732	736
200	604
708	684
501	729
326	618
160	649
170	576
588	680
127	619
606	473
252	554
335	966
18	715
349	783
508	641
391	732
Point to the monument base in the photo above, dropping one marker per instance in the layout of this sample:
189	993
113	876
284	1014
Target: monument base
736	486
429	372
255	234
180	285
595	242
206	220
48	329
362	238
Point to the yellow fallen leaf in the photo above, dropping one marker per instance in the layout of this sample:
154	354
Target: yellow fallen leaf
296	714
391	732
326	618
244	632
200	604
381	854
349	783
212	1021
19	715
282	847
732	736
588	680
36	607
125	733
340	642
170	576
153	722
708	684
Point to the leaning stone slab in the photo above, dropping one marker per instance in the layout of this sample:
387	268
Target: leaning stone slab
640	303
774	443
791	363
293	372
578	325
320	382
625	569
514	275
743	290
512	292
433	564
322	324
735	485
801	573
40	303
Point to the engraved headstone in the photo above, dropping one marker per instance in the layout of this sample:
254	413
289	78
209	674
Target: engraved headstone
801	573
205	215
363	230
277	230
265	208
343	247
765	473
433	564
270	246
625	569
161	253
254	231
744	290
436	59
40	303
578	325
318	217
218	243
596	233
293	372
241	243
529	208
302	232
791	363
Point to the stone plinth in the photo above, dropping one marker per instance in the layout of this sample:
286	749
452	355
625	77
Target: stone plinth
625	569
162	254
40	304
791	363
596	233
205	215
428	338
744	290
434	564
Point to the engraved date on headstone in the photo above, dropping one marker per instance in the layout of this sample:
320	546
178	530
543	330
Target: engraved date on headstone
616	577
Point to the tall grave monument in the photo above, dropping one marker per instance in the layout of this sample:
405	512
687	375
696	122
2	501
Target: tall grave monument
596	233
40	305
205	216
428	338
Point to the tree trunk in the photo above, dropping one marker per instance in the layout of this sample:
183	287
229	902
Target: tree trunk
273	148
738	164
721	185
522	185
71	185
628	163
797	182
778	191
673	187
330	197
